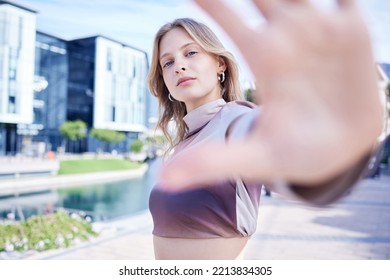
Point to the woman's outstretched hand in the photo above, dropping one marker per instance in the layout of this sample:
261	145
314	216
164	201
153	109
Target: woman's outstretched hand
317	84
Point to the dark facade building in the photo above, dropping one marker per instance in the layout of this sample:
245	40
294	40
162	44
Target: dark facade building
107	89
50	89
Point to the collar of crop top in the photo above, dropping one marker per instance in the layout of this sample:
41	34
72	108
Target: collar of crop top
200	116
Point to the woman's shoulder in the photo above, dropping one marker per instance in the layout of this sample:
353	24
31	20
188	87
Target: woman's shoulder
240	116
242	103
239	106
233	110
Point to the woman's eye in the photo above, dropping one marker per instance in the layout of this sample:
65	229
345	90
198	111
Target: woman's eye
191	53
168	63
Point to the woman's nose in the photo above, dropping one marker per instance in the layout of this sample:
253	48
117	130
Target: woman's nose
180	67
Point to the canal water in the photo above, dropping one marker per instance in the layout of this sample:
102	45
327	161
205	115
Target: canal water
106	201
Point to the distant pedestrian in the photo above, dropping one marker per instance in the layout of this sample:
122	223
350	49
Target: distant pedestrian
50	155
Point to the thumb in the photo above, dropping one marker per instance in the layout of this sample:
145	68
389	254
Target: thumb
204	164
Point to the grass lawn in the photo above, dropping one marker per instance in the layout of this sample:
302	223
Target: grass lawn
95	165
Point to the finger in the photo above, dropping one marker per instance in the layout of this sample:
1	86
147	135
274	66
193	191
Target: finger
196	167
266	7
231	22
346	3
269	8
210	163
299	1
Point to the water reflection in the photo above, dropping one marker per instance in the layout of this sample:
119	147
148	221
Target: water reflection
104	201
24	206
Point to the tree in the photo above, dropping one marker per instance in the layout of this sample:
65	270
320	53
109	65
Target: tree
248	93
108	136
159	140
73	130
136	146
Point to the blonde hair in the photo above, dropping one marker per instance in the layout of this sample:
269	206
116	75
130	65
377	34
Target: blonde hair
176	110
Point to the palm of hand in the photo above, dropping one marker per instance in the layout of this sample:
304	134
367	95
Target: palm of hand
315	93
317	86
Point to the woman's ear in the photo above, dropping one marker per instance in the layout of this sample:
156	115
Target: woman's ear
221	64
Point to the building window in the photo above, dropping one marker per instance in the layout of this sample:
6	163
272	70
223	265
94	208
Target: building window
134	70
38	116
109	60
13	63
11	105
113	114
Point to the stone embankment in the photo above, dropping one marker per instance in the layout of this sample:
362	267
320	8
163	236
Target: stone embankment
26	184
15	167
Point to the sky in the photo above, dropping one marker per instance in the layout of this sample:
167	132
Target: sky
135	22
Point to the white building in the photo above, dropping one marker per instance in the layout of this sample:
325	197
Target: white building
17	52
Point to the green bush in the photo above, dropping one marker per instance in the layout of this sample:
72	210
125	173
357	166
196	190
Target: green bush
136	146
45	232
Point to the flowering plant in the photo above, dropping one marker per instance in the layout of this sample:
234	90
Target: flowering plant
45	232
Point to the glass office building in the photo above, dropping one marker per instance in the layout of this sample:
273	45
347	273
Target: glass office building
107	88
50	90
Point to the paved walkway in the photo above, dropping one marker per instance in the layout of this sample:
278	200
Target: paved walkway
357	227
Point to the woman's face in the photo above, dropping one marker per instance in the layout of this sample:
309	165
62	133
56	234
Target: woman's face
189	72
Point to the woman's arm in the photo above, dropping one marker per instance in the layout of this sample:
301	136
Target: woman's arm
319	194
316	77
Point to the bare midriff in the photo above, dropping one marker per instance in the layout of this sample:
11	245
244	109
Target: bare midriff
199	249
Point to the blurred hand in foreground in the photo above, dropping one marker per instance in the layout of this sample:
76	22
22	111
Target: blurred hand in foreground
316	79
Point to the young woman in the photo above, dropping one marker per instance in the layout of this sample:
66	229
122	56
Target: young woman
210	213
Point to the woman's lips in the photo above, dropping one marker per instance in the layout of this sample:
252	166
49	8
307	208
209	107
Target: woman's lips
184	81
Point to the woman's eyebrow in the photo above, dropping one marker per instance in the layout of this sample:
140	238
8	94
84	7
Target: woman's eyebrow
182	47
